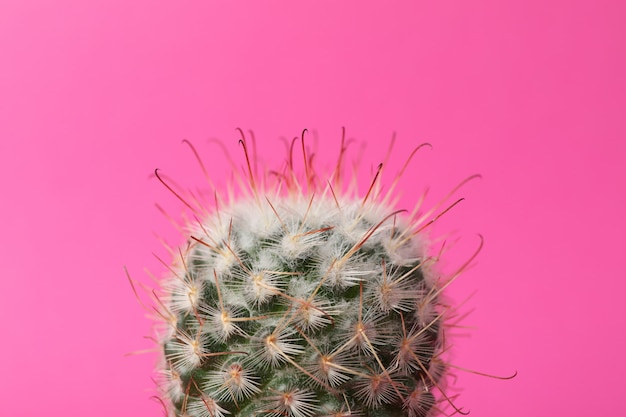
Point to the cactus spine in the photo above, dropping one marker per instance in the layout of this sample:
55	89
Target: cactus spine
303	298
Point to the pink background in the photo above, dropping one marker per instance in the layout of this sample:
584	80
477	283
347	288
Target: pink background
96	94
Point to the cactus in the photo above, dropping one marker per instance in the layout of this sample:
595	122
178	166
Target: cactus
301	298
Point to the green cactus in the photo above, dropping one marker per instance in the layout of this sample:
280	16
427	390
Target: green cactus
302	298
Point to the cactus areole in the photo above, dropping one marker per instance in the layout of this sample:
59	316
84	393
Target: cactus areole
303	297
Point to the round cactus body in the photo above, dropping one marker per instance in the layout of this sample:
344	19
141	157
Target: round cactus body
303	299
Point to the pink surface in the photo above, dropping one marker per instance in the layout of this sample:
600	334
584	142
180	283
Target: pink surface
95	95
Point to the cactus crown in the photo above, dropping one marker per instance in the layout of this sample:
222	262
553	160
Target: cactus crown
300	299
